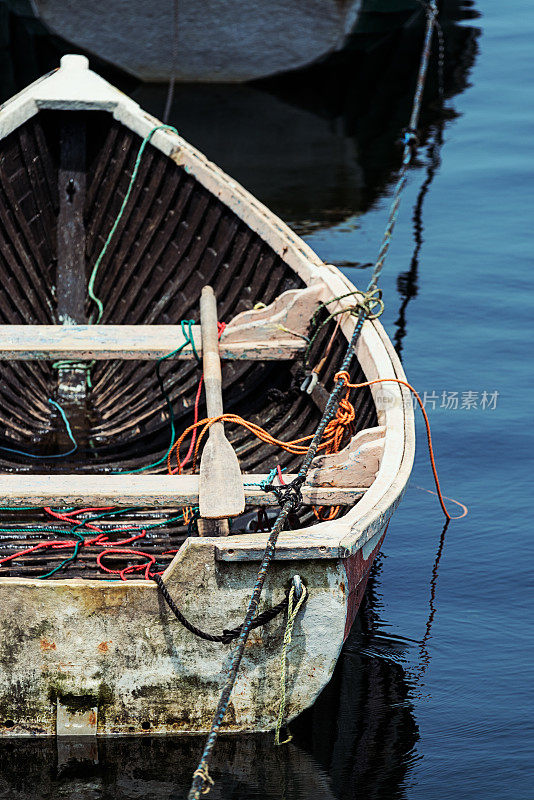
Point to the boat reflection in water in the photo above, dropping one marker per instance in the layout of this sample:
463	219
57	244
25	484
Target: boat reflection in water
362	730
318	146
159	769
321	145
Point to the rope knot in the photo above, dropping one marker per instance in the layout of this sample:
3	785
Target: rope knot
372	302
345	414
342	376
343	421
288	495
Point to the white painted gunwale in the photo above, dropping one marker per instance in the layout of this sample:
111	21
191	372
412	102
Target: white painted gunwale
75	87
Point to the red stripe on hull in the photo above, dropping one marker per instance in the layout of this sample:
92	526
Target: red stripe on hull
357	570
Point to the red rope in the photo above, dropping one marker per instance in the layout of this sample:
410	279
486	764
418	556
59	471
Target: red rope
131	567
101	540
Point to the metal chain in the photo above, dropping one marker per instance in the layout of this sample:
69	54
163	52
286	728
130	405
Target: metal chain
198	786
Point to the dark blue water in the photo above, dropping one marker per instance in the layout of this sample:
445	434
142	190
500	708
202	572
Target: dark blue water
432	697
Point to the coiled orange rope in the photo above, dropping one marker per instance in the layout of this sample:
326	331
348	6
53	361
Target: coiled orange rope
336	429
333	435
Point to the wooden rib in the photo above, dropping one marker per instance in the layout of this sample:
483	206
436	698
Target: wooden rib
18	249
149	268
45	211
106	207
187	229
134	225
101	168
179	384
150	491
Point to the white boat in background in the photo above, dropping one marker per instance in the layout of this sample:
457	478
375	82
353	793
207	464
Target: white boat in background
221	41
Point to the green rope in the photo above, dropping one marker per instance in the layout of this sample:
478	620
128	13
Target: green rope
91	285
19	508
86	366
291	617
67	560
50	455
266	481
371	301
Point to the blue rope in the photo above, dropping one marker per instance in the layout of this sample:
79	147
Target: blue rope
201	778
57	455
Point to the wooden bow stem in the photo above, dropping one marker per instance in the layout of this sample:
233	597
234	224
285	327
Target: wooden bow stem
221	491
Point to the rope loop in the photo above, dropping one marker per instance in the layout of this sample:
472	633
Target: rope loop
342	376
79	366
207	781
292	612
229	634
372	302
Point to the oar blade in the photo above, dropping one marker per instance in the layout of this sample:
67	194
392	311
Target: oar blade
221	491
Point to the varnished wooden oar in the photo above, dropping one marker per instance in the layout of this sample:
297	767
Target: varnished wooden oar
221	491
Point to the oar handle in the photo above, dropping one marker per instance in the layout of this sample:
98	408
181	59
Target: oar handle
210	352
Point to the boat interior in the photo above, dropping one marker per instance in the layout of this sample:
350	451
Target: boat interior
63	178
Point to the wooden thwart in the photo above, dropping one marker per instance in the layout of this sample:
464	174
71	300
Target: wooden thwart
126	342
274	333
151	491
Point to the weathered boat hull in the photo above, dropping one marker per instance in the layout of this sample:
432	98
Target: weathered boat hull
105	657
112	659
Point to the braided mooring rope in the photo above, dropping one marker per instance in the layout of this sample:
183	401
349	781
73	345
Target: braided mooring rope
198	786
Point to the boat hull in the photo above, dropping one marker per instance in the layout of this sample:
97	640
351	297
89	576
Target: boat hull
116	661
85	656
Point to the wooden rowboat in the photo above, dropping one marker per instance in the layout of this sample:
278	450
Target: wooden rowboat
83	653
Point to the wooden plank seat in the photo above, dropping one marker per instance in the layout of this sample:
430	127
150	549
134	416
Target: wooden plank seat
140	342
273	332
149	491
338	479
